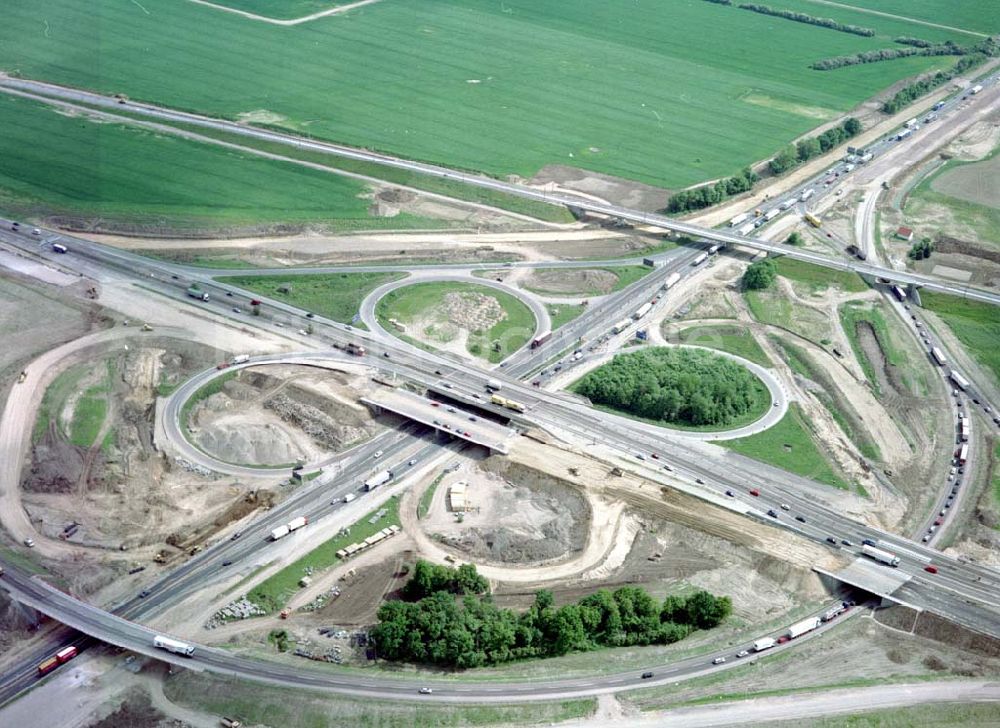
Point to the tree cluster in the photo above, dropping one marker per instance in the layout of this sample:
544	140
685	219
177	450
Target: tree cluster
915	42
760	275
888	54
680	386
438	630
921	249
806	149
795	239
809	19
720	2
908	94
708	195
430	579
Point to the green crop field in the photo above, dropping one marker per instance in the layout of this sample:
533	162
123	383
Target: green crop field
336	296
281	9
789	445
974	15
977	326
658	92
71	166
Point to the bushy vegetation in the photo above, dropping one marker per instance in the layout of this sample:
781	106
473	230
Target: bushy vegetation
884	54
921	249
708	195
720	2
796	239
915	42
679	386
759	275
438	630
809	19
430	578
908	94
806	149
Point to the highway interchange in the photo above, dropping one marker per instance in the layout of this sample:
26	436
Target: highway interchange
965	592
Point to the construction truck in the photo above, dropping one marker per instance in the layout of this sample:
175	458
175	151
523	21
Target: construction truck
194	291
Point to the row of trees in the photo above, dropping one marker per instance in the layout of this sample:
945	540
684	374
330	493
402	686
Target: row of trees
678	386
474	633
915	42
698	198
428	578
806	149
809	19
721	2
908	94
888	54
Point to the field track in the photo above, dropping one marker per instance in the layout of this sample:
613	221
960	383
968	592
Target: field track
294	21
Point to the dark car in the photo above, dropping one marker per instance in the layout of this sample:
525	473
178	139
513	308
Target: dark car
730	493
236	535
831	539
772	513
310	315
227	562
800	519
868	542
647	675
846	542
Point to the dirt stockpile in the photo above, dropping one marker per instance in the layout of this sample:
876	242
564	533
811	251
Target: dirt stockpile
586	282
322	427
473	311
518	515
57	466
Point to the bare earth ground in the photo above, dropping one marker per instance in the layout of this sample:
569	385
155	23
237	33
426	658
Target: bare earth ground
592	282
282	415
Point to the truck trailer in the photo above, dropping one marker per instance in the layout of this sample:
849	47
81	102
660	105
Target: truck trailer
800	628
963	430
806	194
880	555
539	340
700	259
196	292
960	381
620	326
939	356
240	359
643	310
962	454
764	643
172	645
746	229
292	525
672	280
739	219
378	479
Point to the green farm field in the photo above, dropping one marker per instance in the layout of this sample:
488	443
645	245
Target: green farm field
75	167
977	326
498	87
973	15
281	9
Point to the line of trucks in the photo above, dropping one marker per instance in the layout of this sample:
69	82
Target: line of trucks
293	525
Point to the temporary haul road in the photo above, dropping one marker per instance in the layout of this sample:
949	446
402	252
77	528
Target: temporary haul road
567	200
964	592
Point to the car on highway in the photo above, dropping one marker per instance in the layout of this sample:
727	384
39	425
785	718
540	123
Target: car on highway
412	462
640	456
647	675
772	513
785	507
310	315
236	309
846	542
754	492
800	519
227	562
438	372
666	466
426	691
718	660
743	653
29	542
931	569
386	354
378	454
699	481
435	404
144	593
449	385
472	418
451	409
831	539
654	456
730	493
236	535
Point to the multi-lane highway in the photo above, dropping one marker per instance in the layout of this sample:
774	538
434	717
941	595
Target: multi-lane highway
540	195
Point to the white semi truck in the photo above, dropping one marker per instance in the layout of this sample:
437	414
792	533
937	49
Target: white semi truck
172	645
240	359
378	479
880	555
764	643
292	525
642	311
800	628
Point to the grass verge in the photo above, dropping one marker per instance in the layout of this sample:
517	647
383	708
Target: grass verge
817	278
976	325
335	296
256	704
789	444
272	594
425	500
563	313
422	300
734	339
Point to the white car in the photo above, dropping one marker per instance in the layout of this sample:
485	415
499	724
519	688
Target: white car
378	454
785	507
412	463
426	691
718	660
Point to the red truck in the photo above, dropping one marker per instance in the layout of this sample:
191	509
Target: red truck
60	658
538	341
